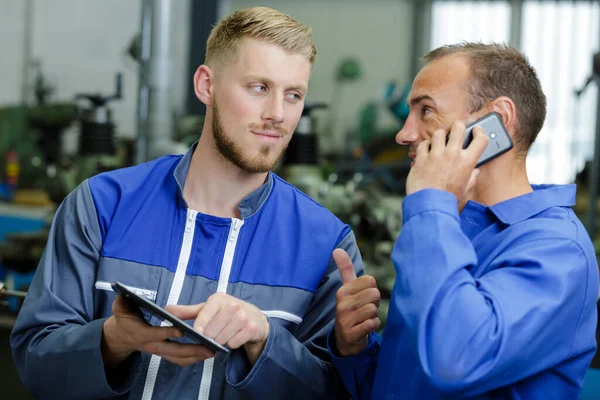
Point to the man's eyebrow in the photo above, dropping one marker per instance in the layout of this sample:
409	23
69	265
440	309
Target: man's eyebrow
416	100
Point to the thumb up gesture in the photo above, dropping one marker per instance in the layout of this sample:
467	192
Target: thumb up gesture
357	302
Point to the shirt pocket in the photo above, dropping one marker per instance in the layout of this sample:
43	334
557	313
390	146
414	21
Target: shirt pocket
142	279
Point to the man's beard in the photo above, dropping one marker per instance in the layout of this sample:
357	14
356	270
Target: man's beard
234	152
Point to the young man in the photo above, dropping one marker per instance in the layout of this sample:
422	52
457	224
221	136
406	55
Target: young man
497	279
214	236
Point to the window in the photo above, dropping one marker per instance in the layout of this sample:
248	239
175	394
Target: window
472	21
559	38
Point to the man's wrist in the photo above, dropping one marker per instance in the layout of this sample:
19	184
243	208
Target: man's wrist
255	349
348	350
112	353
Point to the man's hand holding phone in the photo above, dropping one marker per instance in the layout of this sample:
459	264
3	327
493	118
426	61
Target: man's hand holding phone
126	332
447	166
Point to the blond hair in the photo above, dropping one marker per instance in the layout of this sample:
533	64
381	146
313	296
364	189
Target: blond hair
260	23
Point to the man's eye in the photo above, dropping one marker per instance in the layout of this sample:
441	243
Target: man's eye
258	88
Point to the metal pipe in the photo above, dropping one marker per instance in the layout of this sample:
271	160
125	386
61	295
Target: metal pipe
422	20
9	292
154	101
14	293
516	22
159	78
143	88
27	35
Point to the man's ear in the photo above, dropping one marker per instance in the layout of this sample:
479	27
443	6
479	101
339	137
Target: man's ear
506	108
203	84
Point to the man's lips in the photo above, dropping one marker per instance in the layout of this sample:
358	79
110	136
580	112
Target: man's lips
267	136
267	133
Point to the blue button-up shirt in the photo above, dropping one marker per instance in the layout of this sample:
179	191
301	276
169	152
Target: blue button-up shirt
495	303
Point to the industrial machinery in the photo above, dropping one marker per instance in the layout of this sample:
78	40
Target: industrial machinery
32	141
34	136
39	174
301	164
594	175
97	133
357	190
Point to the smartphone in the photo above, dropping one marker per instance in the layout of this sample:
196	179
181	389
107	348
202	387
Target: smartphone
161	313
499	142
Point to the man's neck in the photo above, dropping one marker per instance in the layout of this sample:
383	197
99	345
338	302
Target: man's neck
214	185
501	181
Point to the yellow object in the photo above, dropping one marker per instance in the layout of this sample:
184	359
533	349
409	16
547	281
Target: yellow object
31	197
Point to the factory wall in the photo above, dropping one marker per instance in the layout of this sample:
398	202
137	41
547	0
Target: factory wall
81	44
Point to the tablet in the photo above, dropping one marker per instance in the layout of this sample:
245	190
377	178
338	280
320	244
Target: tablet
161	313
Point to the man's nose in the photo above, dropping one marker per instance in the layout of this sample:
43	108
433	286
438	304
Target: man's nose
407	135
274	110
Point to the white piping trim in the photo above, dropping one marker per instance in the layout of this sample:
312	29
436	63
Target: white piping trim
147	293
282	315
184	258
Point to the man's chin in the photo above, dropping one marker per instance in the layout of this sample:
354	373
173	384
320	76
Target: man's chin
257	166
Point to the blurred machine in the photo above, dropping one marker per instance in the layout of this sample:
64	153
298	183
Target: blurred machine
363	183
38	173
301	162
97	142
32	143
364	186
594	174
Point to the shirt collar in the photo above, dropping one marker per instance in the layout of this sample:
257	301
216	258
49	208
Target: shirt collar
526	206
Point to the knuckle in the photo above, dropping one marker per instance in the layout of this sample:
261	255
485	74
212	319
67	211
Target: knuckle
364	281
371	281
233	307
252	328
242	317
371	308
376	294
374	323
368	281
343	322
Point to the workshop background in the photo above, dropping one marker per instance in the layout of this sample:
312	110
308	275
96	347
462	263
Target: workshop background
88	86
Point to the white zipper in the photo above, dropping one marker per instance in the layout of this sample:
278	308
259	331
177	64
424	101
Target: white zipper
282	315
236	225
147	293
184	258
